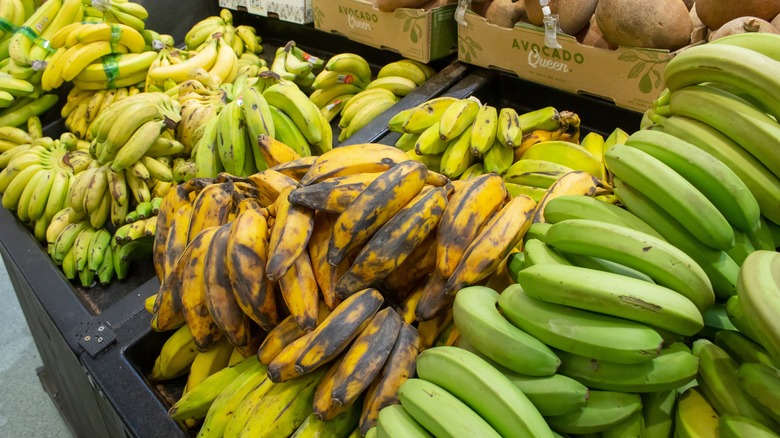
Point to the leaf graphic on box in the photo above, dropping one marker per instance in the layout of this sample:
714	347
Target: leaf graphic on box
413	35
637	69
652	54
475	45
400	14
645	84
629	56
407	24
658	79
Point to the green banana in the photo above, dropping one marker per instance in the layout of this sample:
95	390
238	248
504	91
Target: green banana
604	410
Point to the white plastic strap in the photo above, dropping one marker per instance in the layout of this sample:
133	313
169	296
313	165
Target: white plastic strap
551	27
460	12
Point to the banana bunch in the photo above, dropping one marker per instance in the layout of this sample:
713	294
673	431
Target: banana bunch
135	127
344	76
29	46
293	64
97	55
83	252
733	118
119	12
402	77
172	67
251	65
36	177
451	135
261	129
241	38
84	106
200	103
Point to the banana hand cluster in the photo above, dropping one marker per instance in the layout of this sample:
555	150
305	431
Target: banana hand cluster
36	178
119	12
84	106
93	56
293	64
243	39
451	135
727	117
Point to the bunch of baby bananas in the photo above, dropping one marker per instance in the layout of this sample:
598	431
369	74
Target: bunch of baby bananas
37	174
241	38
84	106
294	64
345	87
97	55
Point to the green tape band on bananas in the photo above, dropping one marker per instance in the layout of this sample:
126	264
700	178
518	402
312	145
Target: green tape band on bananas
116	35
111	69
7	26
33	36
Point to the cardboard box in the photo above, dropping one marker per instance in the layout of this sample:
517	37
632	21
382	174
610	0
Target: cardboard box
414	33
232	4
630	77
294	11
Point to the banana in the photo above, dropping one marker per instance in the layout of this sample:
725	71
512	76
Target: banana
758	289
220	301
247	246
282	335
300	292
288	133
335	333
192	289
295	223
714	179
363	361
481	325
406	69
339	426
211	208
483	135
535	173
416	266
398	85
658	410
585	207
65	240
81	245
664	263
394	242
440	412
176	355
718	381
253	380
423	116
456	118
395	421
457	157
695	416
499	235
551	395
742	349
257	114
739	319
573	183
605	409
231	139
283	408
204	59
589	334
509	132
566	154
301	110
670	370
612	294
376	205
350	63
325	274
137	145
469	378
195	403
282	368
399	367
736	426
720	268
367	113
677	196
353	159
498	159
97	249
760	383
711	64
274	152
333	195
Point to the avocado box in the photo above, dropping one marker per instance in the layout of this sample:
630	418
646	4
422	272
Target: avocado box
414	33
630	77
294	11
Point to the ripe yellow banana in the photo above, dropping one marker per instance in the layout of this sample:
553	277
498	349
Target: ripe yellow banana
289	236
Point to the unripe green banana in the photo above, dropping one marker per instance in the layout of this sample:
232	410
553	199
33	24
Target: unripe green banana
395	421
605	409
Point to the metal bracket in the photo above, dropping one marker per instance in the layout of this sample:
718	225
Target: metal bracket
96	337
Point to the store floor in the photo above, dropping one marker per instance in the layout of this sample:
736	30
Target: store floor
25	408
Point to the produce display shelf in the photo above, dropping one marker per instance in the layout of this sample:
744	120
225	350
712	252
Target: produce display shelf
82	333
